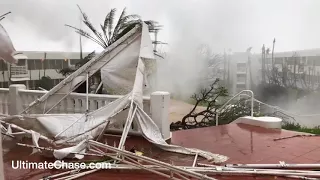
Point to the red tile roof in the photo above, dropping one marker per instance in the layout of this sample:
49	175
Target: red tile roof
241	143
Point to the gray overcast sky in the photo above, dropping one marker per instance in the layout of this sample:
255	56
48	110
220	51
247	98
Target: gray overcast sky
222	24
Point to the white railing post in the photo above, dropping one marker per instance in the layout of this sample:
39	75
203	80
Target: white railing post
225	104
87	92
159	106
217	121
251	103
1	160
15	103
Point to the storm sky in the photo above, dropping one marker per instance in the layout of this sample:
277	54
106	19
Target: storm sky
38	25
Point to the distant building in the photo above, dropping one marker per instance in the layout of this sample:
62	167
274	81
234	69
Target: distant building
245	69
33	65
237	72
305	64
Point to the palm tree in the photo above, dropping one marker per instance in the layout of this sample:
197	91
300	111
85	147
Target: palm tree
4	15
112	30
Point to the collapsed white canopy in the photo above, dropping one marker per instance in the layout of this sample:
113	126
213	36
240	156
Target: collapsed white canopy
6	47
78	127
117	63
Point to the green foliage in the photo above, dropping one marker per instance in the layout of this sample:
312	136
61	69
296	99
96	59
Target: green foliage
45	82
239	108
66	71
273	93
111	30
85	59
297	127
208	97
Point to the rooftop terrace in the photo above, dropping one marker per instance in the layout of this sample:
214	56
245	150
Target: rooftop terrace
241	143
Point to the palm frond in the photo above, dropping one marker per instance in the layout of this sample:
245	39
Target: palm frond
123	19
123	31
85	34
108	25
123	14
104	32
87	22
110	18
127	18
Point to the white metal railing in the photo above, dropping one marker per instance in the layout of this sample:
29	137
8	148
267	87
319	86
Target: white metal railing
252	99
4	101
276	108
74	103
235	96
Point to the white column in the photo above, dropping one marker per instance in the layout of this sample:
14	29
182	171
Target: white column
15	103
160	102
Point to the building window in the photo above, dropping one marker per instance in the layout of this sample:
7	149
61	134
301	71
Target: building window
5	84
303	60
38	64
30	84
31	65
46	64
55	81
65	64
74	61
241	77
59	64
312	60
241	67
21	62
52	64
3	66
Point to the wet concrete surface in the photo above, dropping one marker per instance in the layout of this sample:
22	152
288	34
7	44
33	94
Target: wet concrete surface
241	143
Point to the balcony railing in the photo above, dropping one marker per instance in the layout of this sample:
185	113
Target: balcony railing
19	71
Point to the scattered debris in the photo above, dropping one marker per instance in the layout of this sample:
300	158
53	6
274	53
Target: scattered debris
298	135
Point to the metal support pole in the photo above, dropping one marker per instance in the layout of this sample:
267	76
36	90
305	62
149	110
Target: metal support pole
87	92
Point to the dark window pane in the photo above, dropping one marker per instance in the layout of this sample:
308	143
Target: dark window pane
38	64
3	66
46	64
52	64
21	62
241	75
59	63
65	64
5	85
74	61
31	64
30	84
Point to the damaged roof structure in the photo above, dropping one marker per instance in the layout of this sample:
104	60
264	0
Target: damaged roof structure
125	68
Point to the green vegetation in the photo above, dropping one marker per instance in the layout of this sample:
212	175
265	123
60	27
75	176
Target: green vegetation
297	127
45	82
212	98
